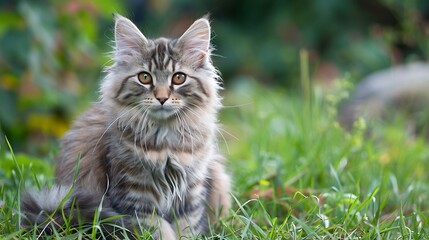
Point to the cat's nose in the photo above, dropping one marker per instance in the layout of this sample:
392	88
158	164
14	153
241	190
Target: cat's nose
162	94
162	100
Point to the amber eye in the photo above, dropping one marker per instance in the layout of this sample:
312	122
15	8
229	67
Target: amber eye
145	78
178	78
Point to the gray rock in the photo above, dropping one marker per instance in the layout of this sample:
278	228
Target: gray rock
403	89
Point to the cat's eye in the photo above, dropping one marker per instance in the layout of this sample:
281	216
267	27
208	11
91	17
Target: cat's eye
145	78
178	78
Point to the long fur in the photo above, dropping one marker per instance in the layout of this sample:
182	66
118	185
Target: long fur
50	209
156	163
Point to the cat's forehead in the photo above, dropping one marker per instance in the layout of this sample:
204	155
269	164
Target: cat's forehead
162	44
162	55
160	48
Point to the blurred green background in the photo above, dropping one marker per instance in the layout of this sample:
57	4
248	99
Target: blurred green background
52	52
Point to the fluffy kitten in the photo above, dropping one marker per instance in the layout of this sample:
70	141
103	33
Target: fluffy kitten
148	148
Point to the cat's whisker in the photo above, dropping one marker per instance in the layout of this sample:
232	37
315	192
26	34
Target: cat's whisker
224	140
184	113
129	124
186	129
142	128
196	114
109	126
191	119
229	134
135	115
180	130
219	130
237	105
138	134
123	176
195	106
216	55
186	125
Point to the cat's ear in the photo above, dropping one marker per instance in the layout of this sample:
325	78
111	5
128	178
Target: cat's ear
195	42
128	38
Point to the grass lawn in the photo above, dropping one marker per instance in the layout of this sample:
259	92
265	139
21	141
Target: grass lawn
297	174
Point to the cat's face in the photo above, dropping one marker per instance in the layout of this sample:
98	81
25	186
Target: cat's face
162	78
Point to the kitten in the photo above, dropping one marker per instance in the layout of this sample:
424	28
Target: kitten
148	148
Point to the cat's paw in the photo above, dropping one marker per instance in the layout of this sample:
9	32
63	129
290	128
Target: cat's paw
166	231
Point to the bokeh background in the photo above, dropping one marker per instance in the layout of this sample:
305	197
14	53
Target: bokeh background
52	53
288	67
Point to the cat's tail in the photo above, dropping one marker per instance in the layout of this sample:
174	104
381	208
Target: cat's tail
52	209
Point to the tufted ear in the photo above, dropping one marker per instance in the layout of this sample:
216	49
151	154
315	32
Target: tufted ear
129	40
195	42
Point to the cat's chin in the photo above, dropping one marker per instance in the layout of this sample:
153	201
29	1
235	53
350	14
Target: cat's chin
162	113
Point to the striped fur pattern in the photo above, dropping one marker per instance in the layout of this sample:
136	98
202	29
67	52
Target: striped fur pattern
148	147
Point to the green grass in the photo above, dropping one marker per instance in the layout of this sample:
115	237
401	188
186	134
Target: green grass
327	183
297	174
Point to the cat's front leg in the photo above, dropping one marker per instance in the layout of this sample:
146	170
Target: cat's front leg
159	228
166	231
207	201
219	191
193	218
192	225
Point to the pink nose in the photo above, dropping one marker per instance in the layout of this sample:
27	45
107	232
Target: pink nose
162	100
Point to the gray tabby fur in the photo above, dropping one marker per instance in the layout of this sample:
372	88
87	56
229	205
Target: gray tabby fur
155	162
